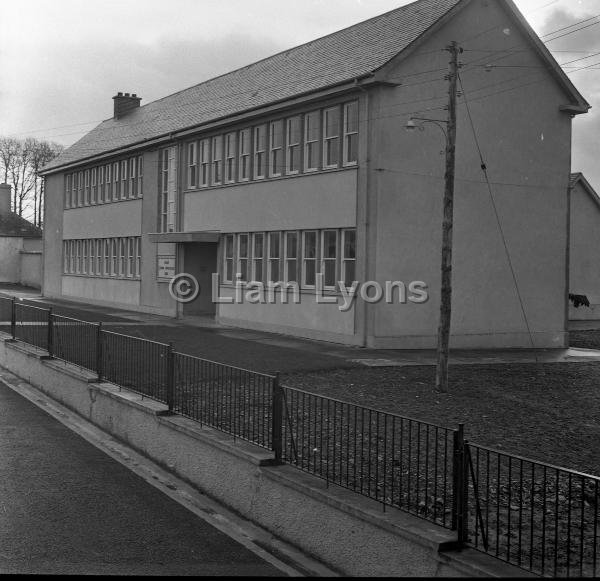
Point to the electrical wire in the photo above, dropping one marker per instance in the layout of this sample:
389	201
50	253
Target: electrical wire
484	169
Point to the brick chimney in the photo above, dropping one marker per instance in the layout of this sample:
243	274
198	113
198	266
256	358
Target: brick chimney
125	103
5	191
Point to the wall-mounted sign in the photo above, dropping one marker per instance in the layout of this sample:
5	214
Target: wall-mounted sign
166	267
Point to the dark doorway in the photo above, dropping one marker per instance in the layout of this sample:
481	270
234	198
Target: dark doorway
200	260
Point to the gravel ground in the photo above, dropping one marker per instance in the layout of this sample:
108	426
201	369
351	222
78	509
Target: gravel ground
546	412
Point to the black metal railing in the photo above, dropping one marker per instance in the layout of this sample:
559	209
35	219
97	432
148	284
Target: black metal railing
137	364
530	514
233	400
31	325
396	461
74	341
539	517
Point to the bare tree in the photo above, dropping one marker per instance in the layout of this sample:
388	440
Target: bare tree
20	164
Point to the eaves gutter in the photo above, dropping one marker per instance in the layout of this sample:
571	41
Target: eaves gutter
361	82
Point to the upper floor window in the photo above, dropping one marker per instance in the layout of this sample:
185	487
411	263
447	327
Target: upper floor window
140	175
293	138
204	162
68	191
351	133
331	137
192	154
217	160
94	185
133	183
244	164
230	157
116	193
80	189
124	180
275	149
260	147
312	136
86	197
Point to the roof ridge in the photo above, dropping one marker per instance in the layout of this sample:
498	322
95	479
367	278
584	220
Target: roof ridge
281	52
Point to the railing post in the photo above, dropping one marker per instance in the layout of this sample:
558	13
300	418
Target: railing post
460	486
13	319
99	352
277	419
50	345
170	378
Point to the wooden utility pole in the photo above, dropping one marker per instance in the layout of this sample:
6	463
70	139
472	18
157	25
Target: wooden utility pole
441	380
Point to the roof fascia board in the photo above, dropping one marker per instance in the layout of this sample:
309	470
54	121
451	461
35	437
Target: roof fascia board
579	104
587	187
383	71
358	84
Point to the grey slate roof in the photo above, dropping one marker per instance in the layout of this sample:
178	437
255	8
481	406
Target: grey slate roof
334	59
13	226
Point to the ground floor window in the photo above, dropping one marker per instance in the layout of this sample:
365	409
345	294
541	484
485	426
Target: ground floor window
307	258
103	257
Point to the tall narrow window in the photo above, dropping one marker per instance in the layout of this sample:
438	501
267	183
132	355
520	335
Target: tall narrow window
331	137
78	257
99	250
351	133
228	259
84	257
260	145
329	253
114	256
275	148
204	162
164	189
116	193
74	188
140	176
86	196
124	180
309	259
230	156
94	178
274	263
71	256
133	184
217	160
138	257
291	257
243	252
122	257
92	257
130	257
101	184
349	257
68	191
293	137
258	253
80	189
312	138
192	154
66	255
244	166
106	261
107	183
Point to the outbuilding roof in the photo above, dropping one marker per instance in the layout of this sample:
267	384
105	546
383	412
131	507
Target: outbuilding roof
344	56
13	226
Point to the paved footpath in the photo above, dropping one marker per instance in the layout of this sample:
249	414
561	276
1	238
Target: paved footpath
66	507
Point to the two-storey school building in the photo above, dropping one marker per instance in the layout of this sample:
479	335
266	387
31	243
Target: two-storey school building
298	170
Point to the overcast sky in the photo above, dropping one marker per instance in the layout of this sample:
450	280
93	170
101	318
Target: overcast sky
62	61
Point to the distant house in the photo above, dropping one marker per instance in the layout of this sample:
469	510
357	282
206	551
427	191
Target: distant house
585	249
20	246
299	170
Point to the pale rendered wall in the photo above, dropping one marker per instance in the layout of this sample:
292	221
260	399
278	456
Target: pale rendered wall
10	259
526	145
53	223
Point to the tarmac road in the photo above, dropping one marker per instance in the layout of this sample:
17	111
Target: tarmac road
66	507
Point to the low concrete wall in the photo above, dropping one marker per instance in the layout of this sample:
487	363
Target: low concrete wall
344	530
